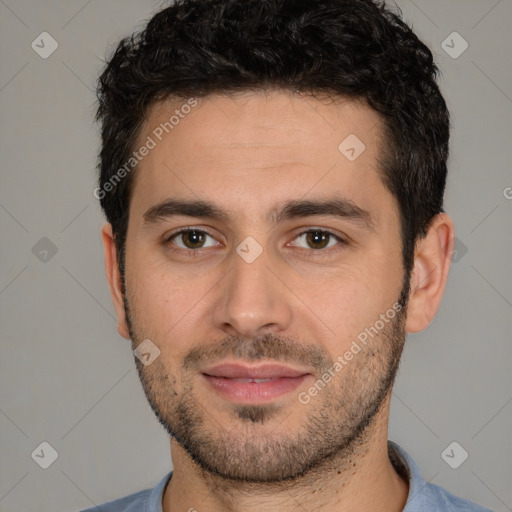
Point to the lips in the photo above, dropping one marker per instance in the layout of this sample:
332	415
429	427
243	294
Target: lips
265	371
253	384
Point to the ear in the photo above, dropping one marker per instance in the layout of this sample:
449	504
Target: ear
432	258
114	279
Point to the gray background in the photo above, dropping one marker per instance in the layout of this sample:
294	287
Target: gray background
69	379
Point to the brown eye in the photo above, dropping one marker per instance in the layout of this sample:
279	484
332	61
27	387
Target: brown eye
190	239
318	239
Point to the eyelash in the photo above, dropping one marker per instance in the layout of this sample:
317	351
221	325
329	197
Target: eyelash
318	252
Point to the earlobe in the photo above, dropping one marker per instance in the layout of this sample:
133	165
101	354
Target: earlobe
432	260
114	279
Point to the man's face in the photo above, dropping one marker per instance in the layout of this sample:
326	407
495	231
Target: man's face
251	311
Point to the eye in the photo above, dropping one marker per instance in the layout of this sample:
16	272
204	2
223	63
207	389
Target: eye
318	239
191	239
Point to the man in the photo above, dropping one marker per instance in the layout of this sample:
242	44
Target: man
272	173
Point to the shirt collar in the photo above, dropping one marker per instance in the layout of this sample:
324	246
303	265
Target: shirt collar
401	460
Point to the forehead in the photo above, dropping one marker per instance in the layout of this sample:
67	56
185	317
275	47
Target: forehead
255	148
277	119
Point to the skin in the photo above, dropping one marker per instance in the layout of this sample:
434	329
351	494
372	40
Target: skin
288	304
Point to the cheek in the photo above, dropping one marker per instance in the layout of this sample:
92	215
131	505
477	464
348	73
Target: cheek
155	301
165	302
353	299
330	305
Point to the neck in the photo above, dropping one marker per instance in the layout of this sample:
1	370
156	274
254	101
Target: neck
364	480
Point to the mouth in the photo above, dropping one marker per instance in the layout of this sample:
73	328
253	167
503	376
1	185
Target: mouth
253	384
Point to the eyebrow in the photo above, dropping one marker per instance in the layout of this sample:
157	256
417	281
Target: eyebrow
335	207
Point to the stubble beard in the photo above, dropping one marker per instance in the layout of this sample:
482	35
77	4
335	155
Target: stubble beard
334	425
256	445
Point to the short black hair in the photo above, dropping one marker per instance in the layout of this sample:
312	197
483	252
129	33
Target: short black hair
358	49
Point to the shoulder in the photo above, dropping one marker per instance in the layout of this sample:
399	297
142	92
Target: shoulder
424	496
132	503
439	498
149	500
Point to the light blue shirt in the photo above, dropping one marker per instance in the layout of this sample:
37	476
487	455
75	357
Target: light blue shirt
423	496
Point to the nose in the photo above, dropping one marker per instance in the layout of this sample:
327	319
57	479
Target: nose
253	299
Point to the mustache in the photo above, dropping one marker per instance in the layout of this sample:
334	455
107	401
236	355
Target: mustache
268	346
